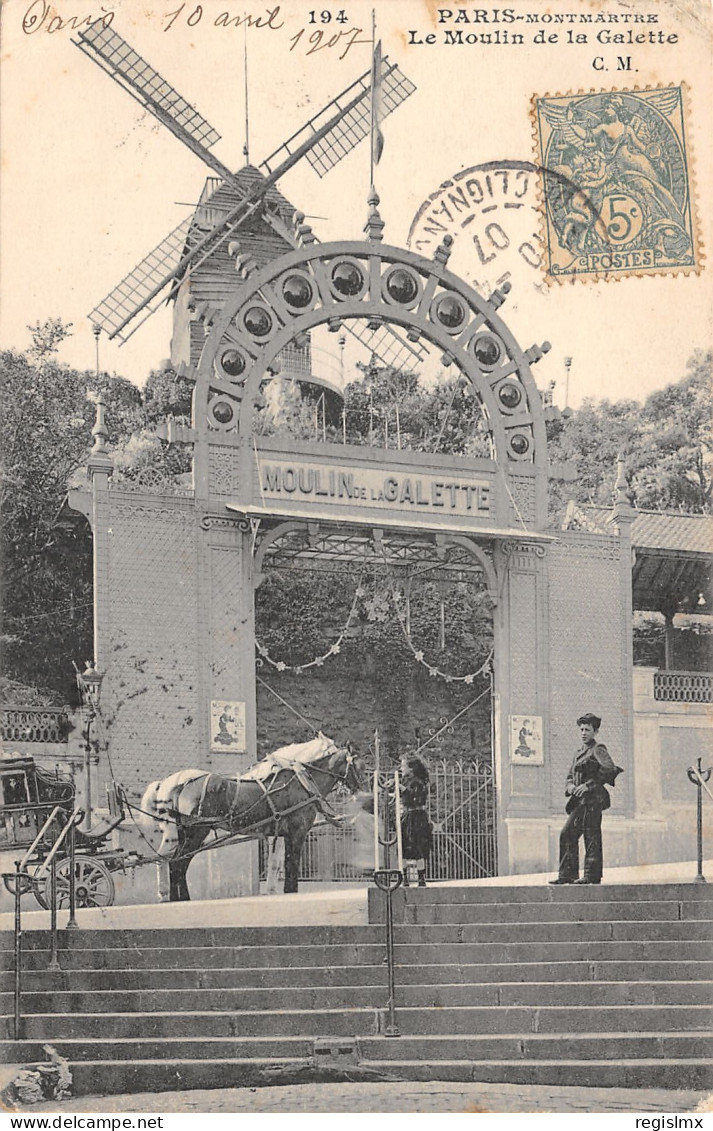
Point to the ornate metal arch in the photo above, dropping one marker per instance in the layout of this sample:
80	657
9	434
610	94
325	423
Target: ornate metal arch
332	282
480	556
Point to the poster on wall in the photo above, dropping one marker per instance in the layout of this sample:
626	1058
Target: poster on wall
227	726
526	740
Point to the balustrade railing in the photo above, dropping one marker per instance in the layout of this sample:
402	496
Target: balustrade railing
33	724
683	687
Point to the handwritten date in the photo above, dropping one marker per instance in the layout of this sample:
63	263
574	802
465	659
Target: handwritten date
194	14
318	40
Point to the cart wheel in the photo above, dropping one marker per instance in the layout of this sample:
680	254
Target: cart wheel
36	883
93	884
38	890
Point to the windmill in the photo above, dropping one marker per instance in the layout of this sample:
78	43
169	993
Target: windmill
231	202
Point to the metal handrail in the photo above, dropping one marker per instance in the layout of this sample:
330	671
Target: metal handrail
75	818
17	1011
388	879
699	777
28	853
67	832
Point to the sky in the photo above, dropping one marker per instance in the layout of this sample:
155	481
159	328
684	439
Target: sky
90	182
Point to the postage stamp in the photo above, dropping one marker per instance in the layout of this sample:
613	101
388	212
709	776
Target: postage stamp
617	185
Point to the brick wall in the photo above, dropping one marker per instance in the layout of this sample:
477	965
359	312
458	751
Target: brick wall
150	701
348	708
588	629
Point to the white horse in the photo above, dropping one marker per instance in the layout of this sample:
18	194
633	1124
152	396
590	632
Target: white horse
279	796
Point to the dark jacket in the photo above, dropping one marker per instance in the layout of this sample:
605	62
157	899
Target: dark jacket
416	828
593	767
414	792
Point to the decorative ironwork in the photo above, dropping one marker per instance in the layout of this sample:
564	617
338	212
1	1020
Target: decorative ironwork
683	687
152	480
463	811
420	658
355	544
33	724
348	279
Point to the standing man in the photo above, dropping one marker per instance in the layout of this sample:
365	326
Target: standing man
590	771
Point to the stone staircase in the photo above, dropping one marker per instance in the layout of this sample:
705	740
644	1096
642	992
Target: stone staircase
605	986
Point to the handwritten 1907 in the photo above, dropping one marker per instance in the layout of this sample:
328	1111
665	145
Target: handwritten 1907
41	15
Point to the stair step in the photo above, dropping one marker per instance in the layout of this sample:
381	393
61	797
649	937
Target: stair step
596	951
585	1046
216	1023
161	1048
597	931
284	977
427	1020
545	893
425	953
200	957
576	911
199	937
676	1074
472	1020
118	1077
407	952
539	1046
250	998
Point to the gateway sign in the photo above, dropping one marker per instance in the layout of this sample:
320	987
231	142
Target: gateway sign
406	491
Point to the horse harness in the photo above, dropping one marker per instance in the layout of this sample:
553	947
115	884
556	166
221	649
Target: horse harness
300	771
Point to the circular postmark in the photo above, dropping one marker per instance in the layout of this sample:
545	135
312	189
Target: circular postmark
492	213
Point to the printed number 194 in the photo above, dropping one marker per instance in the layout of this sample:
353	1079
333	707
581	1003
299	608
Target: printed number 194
326	17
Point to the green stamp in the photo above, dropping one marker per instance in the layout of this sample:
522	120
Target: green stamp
616	183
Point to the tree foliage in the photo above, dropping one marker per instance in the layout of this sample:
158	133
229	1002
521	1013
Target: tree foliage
667	444
384	407
46	436
444	616
46	428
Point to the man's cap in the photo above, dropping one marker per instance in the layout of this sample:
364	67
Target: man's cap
589	720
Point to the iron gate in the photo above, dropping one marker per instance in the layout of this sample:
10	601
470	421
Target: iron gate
462	809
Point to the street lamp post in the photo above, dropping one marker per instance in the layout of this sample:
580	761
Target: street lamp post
89	683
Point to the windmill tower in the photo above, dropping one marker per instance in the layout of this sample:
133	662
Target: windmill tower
242	220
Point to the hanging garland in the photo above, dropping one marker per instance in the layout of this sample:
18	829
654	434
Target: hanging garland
377	610
418	655
318	661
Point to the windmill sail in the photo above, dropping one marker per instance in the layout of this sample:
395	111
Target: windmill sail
353	125
387	345
332	133
115	56
111	312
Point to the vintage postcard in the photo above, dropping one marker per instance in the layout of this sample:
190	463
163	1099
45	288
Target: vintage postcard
357	520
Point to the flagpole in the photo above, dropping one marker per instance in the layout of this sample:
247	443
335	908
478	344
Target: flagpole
246	147
373	97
